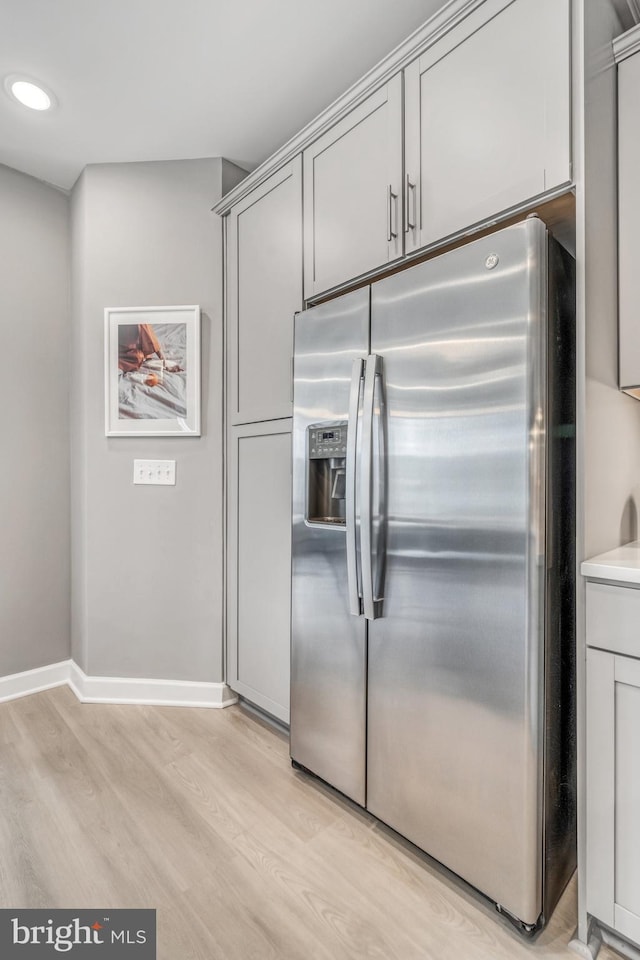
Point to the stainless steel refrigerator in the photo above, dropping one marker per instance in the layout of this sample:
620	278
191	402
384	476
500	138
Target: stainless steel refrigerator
433	568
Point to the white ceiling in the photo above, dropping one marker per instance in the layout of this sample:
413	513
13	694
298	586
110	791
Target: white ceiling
170	79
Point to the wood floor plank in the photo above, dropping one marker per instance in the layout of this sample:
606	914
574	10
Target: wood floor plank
84	840
199	814
249	775
21	879
176	832
450	911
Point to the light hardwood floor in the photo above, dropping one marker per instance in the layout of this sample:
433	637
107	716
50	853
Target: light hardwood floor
199	814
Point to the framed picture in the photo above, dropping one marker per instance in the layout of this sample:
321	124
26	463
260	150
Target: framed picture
152	371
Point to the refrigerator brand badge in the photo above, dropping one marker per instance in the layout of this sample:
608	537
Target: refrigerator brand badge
492	261
80	933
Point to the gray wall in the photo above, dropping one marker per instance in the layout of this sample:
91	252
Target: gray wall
34	482
147	561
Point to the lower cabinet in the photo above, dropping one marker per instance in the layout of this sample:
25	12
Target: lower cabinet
613	775
259	564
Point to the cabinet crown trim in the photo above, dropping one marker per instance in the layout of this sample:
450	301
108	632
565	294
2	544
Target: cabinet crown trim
429	33
627	44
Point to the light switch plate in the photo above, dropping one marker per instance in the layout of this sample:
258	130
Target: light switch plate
154	471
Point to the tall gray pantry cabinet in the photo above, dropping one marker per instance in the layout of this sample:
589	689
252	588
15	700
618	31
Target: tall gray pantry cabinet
263	291
413	157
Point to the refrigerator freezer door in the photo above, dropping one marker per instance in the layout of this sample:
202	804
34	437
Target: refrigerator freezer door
328	645
455	699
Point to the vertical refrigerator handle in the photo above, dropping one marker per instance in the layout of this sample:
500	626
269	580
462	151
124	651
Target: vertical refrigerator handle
373	371
350	488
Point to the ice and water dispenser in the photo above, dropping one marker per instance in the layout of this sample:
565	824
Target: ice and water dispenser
326	462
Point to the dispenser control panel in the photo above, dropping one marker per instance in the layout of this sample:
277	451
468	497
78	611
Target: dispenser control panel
327	442
326	473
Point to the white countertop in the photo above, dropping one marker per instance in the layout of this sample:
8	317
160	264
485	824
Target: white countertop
621	564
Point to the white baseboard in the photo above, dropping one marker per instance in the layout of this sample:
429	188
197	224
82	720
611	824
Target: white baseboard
33	681
178	693
159	693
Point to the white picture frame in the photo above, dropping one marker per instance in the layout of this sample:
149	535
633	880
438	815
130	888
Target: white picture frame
152	371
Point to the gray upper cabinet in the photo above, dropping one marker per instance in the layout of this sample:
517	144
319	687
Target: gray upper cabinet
457	128
353	193
629	209
487	117
264	290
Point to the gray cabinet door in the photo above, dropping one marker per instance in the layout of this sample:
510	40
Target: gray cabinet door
613	791
259	564
353	193
264	290
487	117
628	219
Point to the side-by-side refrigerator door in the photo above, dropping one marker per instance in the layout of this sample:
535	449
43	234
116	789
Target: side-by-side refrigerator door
328	632
455	682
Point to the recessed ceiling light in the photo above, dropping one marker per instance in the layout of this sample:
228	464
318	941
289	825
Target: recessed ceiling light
29	93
